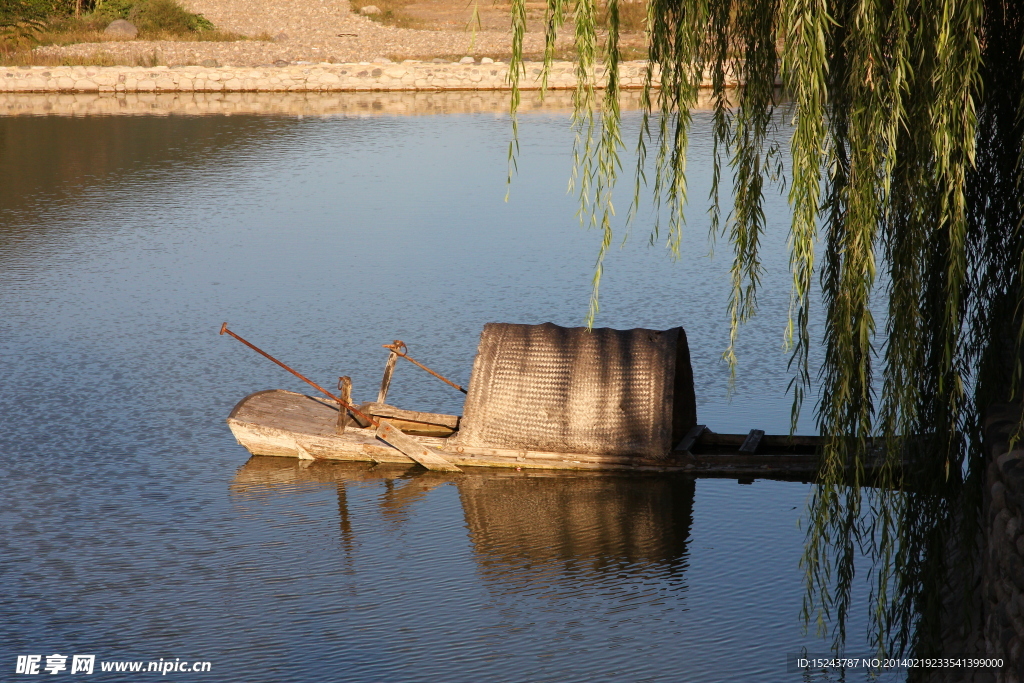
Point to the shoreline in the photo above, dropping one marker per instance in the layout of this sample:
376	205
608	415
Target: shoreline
407	76
290	104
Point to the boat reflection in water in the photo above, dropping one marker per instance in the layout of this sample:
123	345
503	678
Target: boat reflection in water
584	524
523	525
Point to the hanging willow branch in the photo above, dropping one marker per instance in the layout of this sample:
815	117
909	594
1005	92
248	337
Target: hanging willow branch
905	166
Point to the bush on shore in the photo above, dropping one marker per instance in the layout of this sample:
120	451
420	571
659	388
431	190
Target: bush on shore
74	21
154	15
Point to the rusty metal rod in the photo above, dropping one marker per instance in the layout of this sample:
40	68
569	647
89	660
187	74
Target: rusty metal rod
398	344
343	404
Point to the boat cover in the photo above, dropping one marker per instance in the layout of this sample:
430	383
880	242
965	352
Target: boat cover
574	390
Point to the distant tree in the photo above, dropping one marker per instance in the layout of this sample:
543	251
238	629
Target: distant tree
905	161
15	11
20	21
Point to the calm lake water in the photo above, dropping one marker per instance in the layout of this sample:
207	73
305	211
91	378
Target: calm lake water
133	527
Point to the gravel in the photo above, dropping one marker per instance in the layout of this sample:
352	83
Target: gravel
296	31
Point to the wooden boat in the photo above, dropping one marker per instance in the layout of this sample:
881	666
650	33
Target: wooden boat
540	397
290	424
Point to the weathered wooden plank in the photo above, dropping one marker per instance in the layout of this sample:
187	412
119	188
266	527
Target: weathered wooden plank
752	441
508	455
691	438
384	410
768	441
788	441
711	438
287	410
361	421
430	459
421	429
755	459
303	454
362	445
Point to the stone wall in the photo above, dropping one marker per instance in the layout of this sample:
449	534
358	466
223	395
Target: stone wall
419	103
325	77
1002	565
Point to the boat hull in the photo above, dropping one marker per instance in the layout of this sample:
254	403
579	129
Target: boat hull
288	424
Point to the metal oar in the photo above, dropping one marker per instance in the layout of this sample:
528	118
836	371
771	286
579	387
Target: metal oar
404	353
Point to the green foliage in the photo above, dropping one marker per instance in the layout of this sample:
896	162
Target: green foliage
113	9
21	21
153	15
14	11
905	164
22	10
165	15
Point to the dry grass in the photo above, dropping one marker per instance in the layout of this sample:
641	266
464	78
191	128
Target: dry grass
89	29
632	17
393	13
98	58
562	54
157	20
631	52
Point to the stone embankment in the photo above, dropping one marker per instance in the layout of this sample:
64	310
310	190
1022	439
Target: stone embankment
315	104
1002	570
325	77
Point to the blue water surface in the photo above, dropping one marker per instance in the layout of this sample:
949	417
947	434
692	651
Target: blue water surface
133	527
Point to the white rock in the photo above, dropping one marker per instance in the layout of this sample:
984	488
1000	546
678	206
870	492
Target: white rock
121	28
487	60
467	60
371	10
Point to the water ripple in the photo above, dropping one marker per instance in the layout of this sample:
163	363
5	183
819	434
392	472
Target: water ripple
133	527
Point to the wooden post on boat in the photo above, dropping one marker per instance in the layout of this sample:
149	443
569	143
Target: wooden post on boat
345	387
385	383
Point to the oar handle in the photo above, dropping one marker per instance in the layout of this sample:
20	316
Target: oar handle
344	404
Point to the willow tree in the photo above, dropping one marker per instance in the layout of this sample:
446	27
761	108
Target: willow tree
904	172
